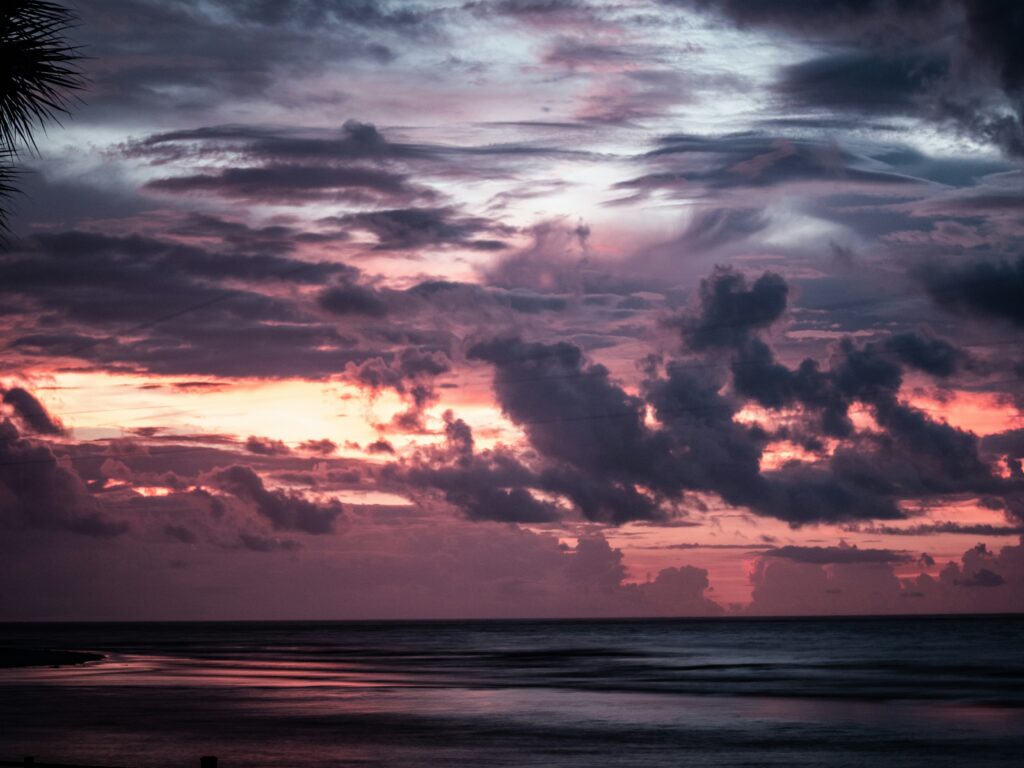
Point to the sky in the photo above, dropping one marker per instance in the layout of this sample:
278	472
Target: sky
520	308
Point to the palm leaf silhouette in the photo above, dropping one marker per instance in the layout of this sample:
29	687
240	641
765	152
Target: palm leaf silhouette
38	72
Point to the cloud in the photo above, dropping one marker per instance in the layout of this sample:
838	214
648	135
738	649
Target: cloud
679	591
599	453
890	59
841	554
40	491
258	543
982	582
928	529
190	309
264	446
685	164
354	141
990	290
31	412
577	418
418	228
490	485
410	372
246	49
864	82
552	263
323	447
934	356
482	492
285	511
349	299
297	184
714	227
729	310
380	446
848	18
1010	442
414	570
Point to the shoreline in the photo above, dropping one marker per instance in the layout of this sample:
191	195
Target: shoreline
14	658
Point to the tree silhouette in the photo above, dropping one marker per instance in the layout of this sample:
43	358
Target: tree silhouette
38	72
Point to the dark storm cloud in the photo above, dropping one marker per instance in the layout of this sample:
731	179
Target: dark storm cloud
730	310
39	492
589	431
490	485
598	451
915	456
270	240
416	228
840	18
355	140
104	280
990	290
713	452
758	376
287	184
188	56
933	58
717	454
1010	442
931	355
31	412
355	144
350	299
870	374
864	82
243	254
285	511
832	555
994	30
78	291
576	416
171	297
481	491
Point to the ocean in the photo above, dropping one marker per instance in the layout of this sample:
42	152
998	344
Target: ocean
823	692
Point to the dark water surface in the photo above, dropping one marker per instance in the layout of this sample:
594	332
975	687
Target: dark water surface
893	692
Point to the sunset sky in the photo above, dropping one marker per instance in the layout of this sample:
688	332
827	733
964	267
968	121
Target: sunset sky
509	308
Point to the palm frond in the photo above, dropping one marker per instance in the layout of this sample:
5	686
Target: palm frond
38	68
38	73
8	188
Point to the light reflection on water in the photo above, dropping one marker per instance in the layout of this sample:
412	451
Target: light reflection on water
140	670
798	693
